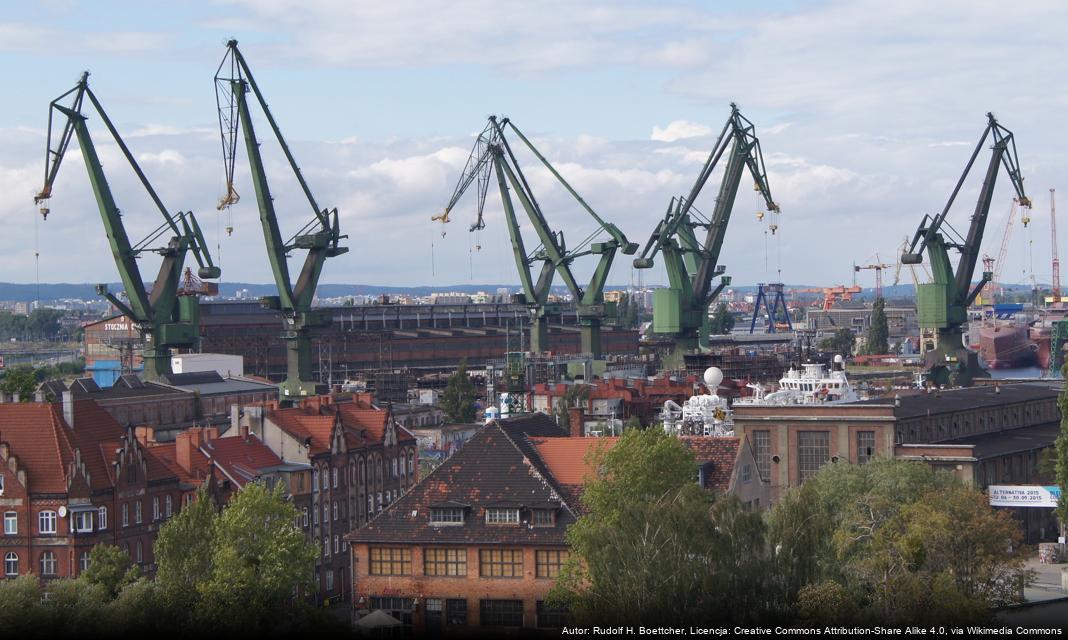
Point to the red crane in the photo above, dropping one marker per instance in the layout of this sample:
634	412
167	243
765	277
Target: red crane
1056	261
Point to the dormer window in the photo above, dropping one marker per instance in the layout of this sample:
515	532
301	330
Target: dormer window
543	518
498	515
446	515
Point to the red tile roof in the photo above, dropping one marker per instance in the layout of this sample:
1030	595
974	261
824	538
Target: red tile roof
721	452
167	455
305	426
241	458
36	435
569	459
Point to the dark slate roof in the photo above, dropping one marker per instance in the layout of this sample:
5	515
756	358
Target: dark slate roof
999	443
86	388
193	377
489	470
978	397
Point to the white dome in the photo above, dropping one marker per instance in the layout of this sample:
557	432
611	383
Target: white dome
713	376
839	359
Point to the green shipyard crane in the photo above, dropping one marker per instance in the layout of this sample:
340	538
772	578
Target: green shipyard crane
168	317
681	309
942	305
319	237
492	152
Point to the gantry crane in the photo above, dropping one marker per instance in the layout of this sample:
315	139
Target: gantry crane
681	310
166	318
320	236
493	152
942	304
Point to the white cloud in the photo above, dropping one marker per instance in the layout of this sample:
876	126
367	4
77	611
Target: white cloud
679	130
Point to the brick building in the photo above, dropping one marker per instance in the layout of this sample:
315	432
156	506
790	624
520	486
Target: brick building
991	434
479	542
132	401
358	461
618	398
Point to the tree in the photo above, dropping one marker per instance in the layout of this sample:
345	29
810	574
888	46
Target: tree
575	396
110	568
184	548
458	398
259	560
841	342
1061	458
722	322
653	548
20	380
878	333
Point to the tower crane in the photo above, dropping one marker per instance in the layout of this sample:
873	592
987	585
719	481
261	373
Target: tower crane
878	269
167	318
681	310
319	237
493	153
912	268
1056	260
999	263
942	304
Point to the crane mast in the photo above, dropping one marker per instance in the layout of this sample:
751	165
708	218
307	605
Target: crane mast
943	303
492	154
1053	236
167	317
319	237
681	310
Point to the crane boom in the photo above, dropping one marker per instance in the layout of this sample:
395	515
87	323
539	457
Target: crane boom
319	237
164	320
1053	237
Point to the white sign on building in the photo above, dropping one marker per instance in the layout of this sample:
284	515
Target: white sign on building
1023	496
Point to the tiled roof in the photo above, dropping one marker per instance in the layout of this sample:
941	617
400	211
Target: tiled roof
241	458
36	436
92	428
304	426
568	459
488	470
721	452
201	465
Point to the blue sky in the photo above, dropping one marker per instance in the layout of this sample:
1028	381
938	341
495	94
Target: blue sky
866	111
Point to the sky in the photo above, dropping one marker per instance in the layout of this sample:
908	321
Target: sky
866	111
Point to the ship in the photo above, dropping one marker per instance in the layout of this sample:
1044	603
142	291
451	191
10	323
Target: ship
812	384
1008	345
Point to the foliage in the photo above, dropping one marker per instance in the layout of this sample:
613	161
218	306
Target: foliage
722	321
458	398
20	380
878	332
653	548
633	422
1061	465
184	549
40	324
111	568
911	545
841	342
576	395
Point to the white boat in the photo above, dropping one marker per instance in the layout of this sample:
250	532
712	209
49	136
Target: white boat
705	414
812	384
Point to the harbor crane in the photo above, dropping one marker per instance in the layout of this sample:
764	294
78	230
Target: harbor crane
942	304
877	267
681	309
168	316
319	237
492	152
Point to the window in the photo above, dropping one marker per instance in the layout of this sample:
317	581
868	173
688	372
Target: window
390	561
169	504
83	562
137	512
865	446
335	511
548	562
83	521
326	514
333	472
747	473
456	612
389	497
1	484
762	453
399	608
380	501
326	480
501	613
11	523
11	564
544	517
102	518
125	515
326	546
502	516
304	515
370	506
337	544
394	474
48	563
46	522
813	451
140	553
500	563
411	463
330	580
315	515
155	508
445	562
552	617
315	480
446	515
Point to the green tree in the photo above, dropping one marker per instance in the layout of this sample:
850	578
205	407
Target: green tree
878	332
458	398
20	380
259	560
184	548
722	321
576	395
653	548
110	568
841	342
1061	457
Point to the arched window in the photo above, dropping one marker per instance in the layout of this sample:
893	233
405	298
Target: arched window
48	563
140	553
11	564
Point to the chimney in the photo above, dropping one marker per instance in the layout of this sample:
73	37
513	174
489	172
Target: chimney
194	437
235	417
209	434
183	452
145	435
68	408
38	396
576	418
243	431
15	397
